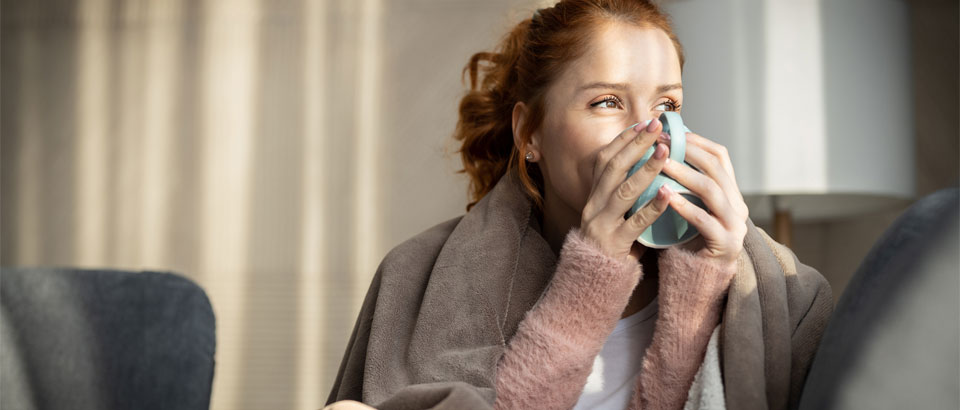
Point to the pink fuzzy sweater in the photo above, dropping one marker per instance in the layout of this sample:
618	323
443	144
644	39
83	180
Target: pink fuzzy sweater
546	363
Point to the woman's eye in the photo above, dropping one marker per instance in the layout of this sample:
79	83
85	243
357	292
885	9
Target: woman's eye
666	106
608	102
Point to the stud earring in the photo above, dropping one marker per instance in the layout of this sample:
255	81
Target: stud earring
529	156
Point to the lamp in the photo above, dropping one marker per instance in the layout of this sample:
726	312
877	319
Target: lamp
811	98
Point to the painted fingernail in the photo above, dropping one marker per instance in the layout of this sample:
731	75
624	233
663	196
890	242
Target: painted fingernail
663	192
664	136
660	152
640	126
666	188
654	123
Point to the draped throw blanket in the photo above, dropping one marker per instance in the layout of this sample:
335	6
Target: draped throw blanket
444	305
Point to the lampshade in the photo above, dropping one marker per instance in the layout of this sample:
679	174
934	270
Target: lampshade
811	98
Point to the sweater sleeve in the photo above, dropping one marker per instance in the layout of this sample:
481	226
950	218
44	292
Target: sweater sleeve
546	363
691	293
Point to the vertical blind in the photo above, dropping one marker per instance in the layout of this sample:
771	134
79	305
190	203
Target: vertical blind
272	151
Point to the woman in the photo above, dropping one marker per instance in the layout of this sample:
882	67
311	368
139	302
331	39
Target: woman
480	312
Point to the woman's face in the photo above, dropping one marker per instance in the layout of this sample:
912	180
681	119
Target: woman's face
627	75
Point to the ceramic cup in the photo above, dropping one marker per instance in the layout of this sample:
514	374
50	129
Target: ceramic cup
670	228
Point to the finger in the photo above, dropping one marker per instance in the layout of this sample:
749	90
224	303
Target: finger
626	194
616	168
594	204
704	187
717	150
712	167
597	201
708	225
723	155
611	149
708	164
644	217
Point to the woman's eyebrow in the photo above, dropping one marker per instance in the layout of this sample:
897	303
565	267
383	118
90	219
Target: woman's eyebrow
664	88
601	84
623	86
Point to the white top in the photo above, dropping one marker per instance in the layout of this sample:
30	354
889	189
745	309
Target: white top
611	383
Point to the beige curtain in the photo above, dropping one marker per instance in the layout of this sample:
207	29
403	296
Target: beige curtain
272	151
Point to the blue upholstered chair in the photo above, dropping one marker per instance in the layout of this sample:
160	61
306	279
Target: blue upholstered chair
893	341
85	339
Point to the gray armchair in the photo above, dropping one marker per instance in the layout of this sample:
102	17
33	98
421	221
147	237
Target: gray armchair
84	339
893	340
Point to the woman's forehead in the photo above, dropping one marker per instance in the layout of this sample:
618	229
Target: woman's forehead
625	54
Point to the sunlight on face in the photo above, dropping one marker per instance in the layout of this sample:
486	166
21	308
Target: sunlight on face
627	75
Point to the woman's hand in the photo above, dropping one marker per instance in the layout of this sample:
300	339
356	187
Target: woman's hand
723	228
613	193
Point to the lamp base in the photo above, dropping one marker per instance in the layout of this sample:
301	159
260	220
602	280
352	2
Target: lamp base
783	227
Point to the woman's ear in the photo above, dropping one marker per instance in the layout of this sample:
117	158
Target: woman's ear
520	115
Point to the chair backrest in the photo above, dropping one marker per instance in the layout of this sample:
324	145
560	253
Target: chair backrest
893	341
85	339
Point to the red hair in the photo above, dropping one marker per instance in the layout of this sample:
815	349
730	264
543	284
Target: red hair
522	67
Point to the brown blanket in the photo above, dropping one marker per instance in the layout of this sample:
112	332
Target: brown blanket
443	305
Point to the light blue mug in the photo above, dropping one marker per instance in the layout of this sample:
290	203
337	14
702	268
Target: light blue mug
670	228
